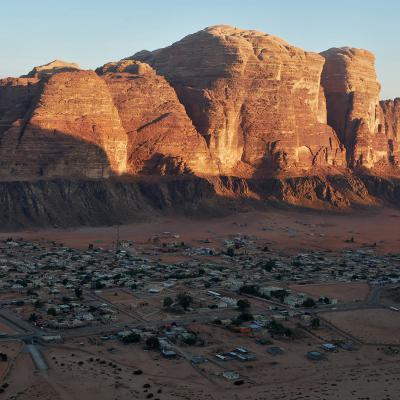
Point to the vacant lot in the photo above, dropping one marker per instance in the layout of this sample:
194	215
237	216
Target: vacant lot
344	292
371	326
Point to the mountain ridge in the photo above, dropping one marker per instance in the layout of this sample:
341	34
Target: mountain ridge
220	102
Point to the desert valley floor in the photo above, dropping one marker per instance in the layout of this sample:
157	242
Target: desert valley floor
228	359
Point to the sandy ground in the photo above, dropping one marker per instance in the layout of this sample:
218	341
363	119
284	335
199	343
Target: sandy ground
343	292
80	370
379	326
289	230
6	329
107	371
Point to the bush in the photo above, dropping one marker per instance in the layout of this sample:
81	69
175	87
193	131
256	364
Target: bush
184	300
131	338
245	317
168	302
269	265
230	252
243	304
309	303
315	323
153	343
52	312
277	328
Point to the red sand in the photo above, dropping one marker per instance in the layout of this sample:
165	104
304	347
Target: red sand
290	230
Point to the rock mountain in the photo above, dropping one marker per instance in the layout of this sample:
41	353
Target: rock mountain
222	102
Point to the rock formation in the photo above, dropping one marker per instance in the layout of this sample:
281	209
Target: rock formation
63	125
51	68
352	94
161	137
228	112
256	99
390	114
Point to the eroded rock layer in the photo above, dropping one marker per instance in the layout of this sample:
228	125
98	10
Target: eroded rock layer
241	103
352	93
256	99
161	137
66	125
390	114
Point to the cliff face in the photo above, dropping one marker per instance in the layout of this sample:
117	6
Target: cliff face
390	114
161	137
69	128
352	93
252	115
256	99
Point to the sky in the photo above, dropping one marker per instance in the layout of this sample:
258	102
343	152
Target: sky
93	32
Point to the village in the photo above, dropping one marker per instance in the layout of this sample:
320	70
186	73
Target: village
228	309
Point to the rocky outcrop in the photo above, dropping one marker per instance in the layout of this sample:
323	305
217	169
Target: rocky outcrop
161	137
256	99
352	94
390	115
51	68
68	203
64	125
222	114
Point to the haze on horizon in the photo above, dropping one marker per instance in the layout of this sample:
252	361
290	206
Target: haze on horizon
92	33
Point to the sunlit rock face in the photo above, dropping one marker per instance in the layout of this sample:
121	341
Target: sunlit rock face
222	101
51	68
256	99
352	93
390	114
161	137
65	125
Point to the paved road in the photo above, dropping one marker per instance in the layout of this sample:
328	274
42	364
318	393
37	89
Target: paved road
26	331
37	357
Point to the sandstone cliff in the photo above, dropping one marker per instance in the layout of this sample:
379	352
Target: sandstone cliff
256	99
390	114
352	92
51	68
66	125
252	115
161	137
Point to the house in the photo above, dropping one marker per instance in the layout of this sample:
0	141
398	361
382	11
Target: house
275	350
51	339
315	355
242	350
198	360
329	347
266	291
294	300
168	353
231	375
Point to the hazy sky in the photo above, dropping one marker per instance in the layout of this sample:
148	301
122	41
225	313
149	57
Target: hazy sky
92	32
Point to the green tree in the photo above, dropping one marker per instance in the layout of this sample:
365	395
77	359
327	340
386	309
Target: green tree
184	300
309	303
269	265
52	312
190	340
230	252
280	294
168	302
276	328
315	323
245	316
243	304
38	304
33	318
78	292
153	343
131	338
